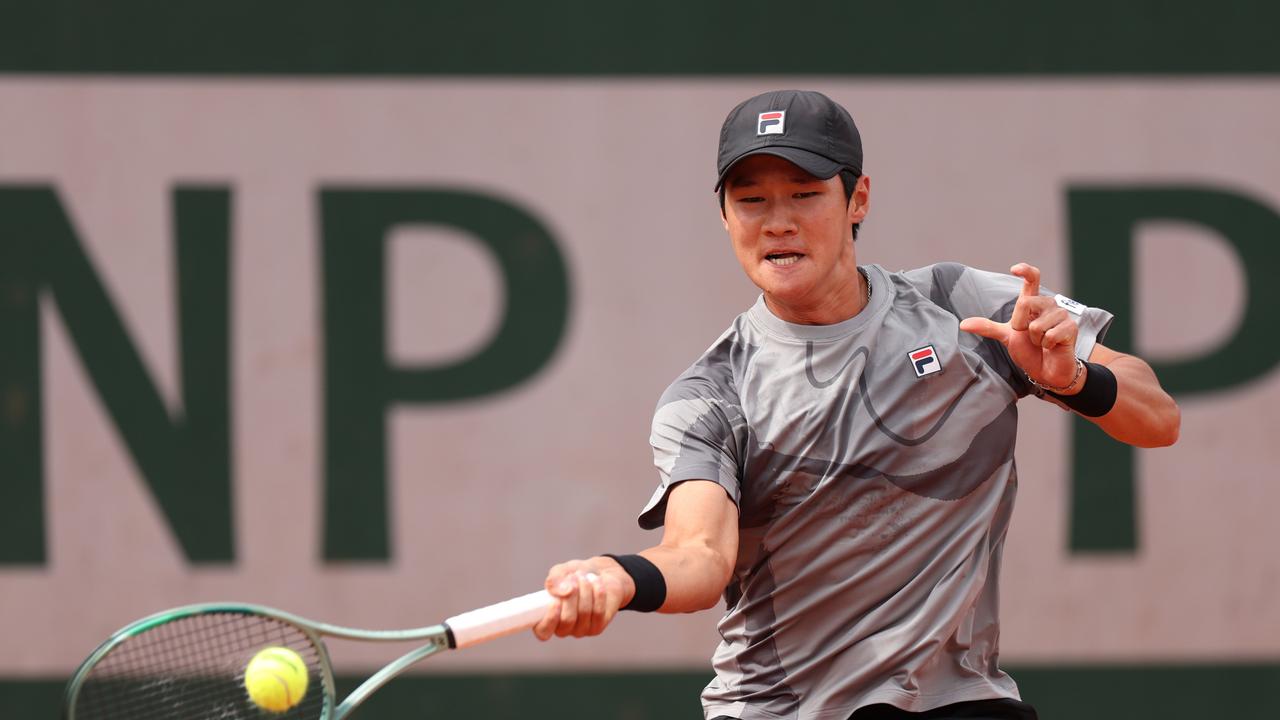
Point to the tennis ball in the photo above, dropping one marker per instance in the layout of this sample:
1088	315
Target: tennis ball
276	679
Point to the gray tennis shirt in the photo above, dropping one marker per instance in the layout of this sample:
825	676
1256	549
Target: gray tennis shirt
872	465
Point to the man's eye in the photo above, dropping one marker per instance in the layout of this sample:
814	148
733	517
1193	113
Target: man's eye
751	200
804	195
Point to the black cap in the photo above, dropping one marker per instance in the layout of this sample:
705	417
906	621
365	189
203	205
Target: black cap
802	126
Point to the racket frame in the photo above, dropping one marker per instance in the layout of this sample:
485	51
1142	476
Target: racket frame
438	637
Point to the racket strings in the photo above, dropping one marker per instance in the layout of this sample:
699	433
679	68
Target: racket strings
192	667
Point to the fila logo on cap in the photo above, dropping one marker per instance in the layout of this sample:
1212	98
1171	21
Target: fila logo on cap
925	361
772	122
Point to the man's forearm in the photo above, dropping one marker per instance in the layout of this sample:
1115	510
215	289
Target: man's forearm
696	576
1144	415
695	559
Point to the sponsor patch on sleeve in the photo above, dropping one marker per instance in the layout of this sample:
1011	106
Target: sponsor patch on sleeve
1069	305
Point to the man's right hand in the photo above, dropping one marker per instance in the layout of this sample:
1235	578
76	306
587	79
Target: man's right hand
588	594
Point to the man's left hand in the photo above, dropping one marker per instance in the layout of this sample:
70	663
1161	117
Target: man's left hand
1040	336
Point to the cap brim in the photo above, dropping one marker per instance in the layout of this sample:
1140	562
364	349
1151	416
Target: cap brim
816	165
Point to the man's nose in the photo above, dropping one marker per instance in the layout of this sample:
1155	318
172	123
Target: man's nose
779	221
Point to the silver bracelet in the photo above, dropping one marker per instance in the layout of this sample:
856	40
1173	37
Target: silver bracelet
1052	389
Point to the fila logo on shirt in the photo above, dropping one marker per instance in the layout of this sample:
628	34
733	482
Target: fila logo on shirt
925	361
772	122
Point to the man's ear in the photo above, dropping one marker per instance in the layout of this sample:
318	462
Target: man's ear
860	200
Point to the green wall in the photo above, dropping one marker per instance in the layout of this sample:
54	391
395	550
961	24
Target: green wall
1086	693
660	37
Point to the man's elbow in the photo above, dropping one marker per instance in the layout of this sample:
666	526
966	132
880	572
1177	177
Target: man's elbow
706	602
721	570
704	599
1172	427
1164	428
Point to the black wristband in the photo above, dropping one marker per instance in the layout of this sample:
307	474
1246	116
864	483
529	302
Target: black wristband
651	587
1098	395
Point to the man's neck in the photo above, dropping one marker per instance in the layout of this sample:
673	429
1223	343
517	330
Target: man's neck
845	302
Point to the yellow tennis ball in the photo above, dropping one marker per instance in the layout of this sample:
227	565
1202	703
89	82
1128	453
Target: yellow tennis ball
276	679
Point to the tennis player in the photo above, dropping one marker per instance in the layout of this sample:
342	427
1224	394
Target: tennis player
839	465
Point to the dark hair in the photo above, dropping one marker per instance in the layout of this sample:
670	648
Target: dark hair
848	179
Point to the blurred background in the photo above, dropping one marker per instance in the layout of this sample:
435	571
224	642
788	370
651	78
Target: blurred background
361	310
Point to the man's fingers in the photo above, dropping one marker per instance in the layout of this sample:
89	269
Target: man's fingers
584	601
1060	334
1023	310
986	328
557	586
554	575
1046	321
586	605
546	627
610	603
1030	275
1029	309
568	615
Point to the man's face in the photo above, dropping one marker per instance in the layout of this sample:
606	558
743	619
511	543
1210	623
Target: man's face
793	235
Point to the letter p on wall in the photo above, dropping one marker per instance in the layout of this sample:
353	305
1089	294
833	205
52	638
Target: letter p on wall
1103	222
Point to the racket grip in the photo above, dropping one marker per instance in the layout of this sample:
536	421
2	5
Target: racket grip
499	619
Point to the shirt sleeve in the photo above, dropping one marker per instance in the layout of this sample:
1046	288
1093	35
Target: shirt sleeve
694	437
993	295
969	292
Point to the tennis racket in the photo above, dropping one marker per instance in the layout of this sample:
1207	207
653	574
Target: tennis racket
189	662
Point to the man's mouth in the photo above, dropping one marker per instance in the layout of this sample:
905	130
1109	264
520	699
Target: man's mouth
783	258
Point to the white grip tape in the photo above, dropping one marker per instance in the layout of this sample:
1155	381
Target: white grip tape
494	621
